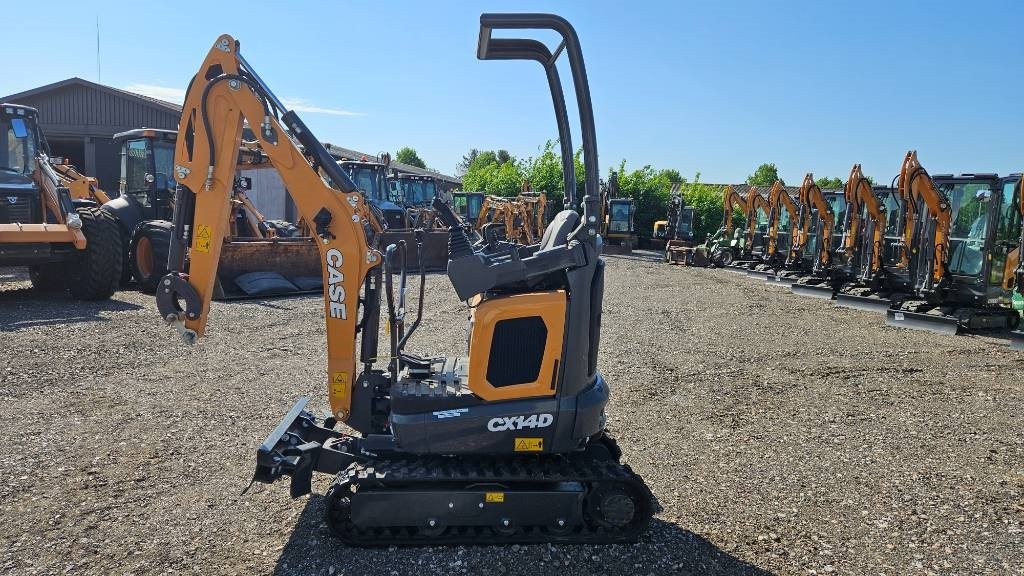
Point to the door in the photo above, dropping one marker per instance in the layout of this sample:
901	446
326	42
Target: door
1005	250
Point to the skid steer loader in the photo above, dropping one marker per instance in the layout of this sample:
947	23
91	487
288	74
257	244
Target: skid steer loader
66	243
962	252
505	445
725	245
259	258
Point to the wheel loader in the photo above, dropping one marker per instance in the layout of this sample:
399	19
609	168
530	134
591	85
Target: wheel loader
66	243
962	251
260	257
507	444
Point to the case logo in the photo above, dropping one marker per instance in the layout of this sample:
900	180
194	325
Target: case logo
336	288
502	424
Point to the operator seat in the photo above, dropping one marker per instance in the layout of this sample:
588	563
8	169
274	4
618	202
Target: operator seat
557	232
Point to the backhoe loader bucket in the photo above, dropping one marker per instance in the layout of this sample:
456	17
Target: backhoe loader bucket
435	248
255	268
866	303
823	291
938	323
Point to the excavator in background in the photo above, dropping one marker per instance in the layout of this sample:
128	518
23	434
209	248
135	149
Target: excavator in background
828	221
260	257
534	208
680	237
64	240
725	245
1017	336
782	218
858	262
748	251
617	218
399	223
468	205
962	251
507	445
660	229
811	249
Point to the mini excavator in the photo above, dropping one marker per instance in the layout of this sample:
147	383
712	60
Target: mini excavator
507	445
782	217
724	246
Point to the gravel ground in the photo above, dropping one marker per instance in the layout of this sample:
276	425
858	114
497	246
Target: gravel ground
780	435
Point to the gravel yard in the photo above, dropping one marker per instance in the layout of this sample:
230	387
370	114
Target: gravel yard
780	435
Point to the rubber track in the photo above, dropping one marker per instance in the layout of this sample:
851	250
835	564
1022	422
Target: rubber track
421	472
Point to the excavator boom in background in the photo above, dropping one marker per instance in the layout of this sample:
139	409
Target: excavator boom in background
507	444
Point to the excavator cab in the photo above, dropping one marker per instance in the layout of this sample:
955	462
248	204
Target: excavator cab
468	205
146	186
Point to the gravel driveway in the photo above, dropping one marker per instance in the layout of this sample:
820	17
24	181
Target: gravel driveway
781	435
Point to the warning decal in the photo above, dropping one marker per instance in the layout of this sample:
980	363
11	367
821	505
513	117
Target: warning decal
203	235
339	384
494	497
529	445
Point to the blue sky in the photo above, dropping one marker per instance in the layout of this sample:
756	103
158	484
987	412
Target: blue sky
715	87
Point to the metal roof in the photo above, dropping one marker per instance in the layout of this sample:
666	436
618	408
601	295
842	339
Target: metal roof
349	154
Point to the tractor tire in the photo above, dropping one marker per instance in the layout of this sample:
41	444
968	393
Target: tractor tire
94	273
151	244
723	258
47	278
126	268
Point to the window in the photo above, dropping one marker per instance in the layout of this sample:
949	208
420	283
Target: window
137	158
17	147
163	160
969	203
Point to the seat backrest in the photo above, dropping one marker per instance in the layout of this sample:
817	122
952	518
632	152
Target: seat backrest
557	232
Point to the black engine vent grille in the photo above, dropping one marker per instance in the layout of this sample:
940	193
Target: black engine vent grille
517	350
19	211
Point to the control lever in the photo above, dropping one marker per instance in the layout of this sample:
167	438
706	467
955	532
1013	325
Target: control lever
396	312
423	282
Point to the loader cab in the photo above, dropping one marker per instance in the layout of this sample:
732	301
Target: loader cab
20	141
984	229
414	190
620	217
372	181
468	205
146	187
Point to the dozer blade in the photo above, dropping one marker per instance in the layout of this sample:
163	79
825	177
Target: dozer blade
280	262
760	274
1017	340
866	303
937	323
822	291
435	248
776	280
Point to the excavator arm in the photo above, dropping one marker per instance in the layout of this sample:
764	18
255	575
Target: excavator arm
859	193
916	186
225	93
778	199
82	187
825	215
755	201
732	201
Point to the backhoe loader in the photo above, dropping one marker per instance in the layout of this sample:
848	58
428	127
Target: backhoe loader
507	445
961	253
399	223
260	257
67	243
782	216
725	245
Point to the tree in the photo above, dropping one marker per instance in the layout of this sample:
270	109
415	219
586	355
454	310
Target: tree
707	203
649	190
672	175
825	182
462	167
503	156
765	175
409	156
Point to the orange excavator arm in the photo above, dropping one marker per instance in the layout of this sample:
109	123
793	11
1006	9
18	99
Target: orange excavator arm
916	185
755	201
811	198
225	93
778	199
82	187
731	201
859	193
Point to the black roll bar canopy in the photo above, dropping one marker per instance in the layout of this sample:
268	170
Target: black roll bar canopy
528	49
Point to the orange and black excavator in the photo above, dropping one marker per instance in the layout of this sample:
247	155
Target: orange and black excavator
860	257
755	229
782	215
959	232
506	444
811	251
724	246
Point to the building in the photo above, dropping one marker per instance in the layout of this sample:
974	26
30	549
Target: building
79	119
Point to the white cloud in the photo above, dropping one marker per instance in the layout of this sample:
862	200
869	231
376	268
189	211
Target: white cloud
177	95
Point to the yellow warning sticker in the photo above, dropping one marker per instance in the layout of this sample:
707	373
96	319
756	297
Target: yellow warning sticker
203	236
529	445
339	384
494	497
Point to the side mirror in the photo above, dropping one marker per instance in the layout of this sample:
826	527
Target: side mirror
983	195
